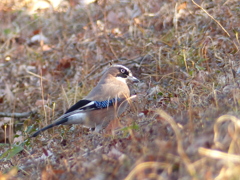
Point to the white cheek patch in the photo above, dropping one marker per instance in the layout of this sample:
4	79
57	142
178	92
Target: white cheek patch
121	79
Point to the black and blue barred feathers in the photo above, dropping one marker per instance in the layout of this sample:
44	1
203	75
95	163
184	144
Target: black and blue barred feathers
92	105
105	104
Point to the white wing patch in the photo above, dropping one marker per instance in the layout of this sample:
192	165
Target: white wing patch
88	104
78	118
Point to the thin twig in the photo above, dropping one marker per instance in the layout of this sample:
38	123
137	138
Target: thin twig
186	160
17	115
212	18
135	60
99	66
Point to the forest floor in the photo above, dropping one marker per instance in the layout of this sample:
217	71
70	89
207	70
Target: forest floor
185	122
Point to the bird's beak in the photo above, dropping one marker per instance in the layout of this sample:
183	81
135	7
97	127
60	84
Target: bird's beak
133	79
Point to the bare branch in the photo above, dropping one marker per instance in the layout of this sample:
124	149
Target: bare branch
17	115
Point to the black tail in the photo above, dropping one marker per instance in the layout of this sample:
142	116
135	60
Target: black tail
50	126
43	129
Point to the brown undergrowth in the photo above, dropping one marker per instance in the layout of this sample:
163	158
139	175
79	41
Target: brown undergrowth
185	121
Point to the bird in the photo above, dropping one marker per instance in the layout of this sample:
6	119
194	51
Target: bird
105	102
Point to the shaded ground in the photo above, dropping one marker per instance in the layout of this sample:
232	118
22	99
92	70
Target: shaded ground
184	124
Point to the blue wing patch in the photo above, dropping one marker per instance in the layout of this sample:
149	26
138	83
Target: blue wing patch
105	104
92	105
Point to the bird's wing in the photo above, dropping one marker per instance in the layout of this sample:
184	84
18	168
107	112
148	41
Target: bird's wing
82	104
77	109
87	105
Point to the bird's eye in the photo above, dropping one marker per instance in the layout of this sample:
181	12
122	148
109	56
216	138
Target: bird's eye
123	71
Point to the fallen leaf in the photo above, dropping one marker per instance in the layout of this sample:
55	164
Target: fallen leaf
40	102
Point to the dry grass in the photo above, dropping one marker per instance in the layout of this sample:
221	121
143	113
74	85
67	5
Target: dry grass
185	123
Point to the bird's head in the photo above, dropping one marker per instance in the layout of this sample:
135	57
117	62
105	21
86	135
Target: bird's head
122	73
